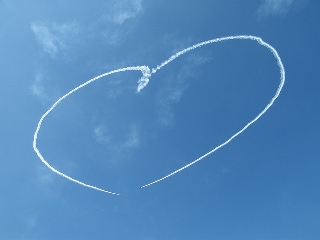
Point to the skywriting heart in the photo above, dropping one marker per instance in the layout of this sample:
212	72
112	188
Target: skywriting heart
142	83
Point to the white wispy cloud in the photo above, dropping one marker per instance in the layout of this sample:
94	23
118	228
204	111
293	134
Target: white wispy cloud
101	134
30	222
49	42
55	38
128	11
279	7
164	100
66	30
45	180
119	19
45	176
115	143
37	88
132	140
7	4
42	89
125	10
175	86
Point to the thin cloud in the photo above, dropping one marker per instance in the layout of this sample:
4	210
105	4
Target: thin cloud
45	179
42	89
125	10
37	88
164	101
45	176
8	4
119	19
66	30
117	142
46	182
30	222
176	85
54	39
279	7
132	138
46	39
101	134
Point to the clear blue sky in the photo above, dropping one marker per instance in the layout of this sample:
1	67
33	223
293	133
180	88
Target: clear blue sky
265	184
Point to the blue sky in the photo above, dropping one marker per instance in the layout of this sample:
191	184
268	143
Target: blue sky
264	184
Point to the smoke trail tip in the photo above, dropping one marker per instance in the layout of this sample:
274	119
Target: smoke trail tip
142	83
144	80
113	193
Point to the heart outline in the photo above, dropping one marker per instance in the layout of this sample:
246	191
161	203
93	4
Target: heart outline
142	83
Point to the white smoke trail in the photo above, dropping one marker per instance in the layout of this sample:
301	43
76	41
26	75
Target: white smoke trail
282	80
143	81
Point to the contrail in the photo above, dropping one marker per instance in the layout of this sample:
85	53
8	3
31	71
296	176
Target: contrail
142	83
282	80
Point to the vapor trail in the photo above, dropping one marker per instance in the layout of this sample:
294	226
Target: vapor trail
282	80
143	81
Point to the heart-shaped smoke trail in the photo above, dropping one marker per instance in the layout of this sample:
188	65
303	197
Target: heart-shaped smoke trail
143	81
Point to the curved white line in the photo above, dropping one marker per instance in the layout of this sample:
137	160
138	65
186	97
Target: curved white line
143	81
282	80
